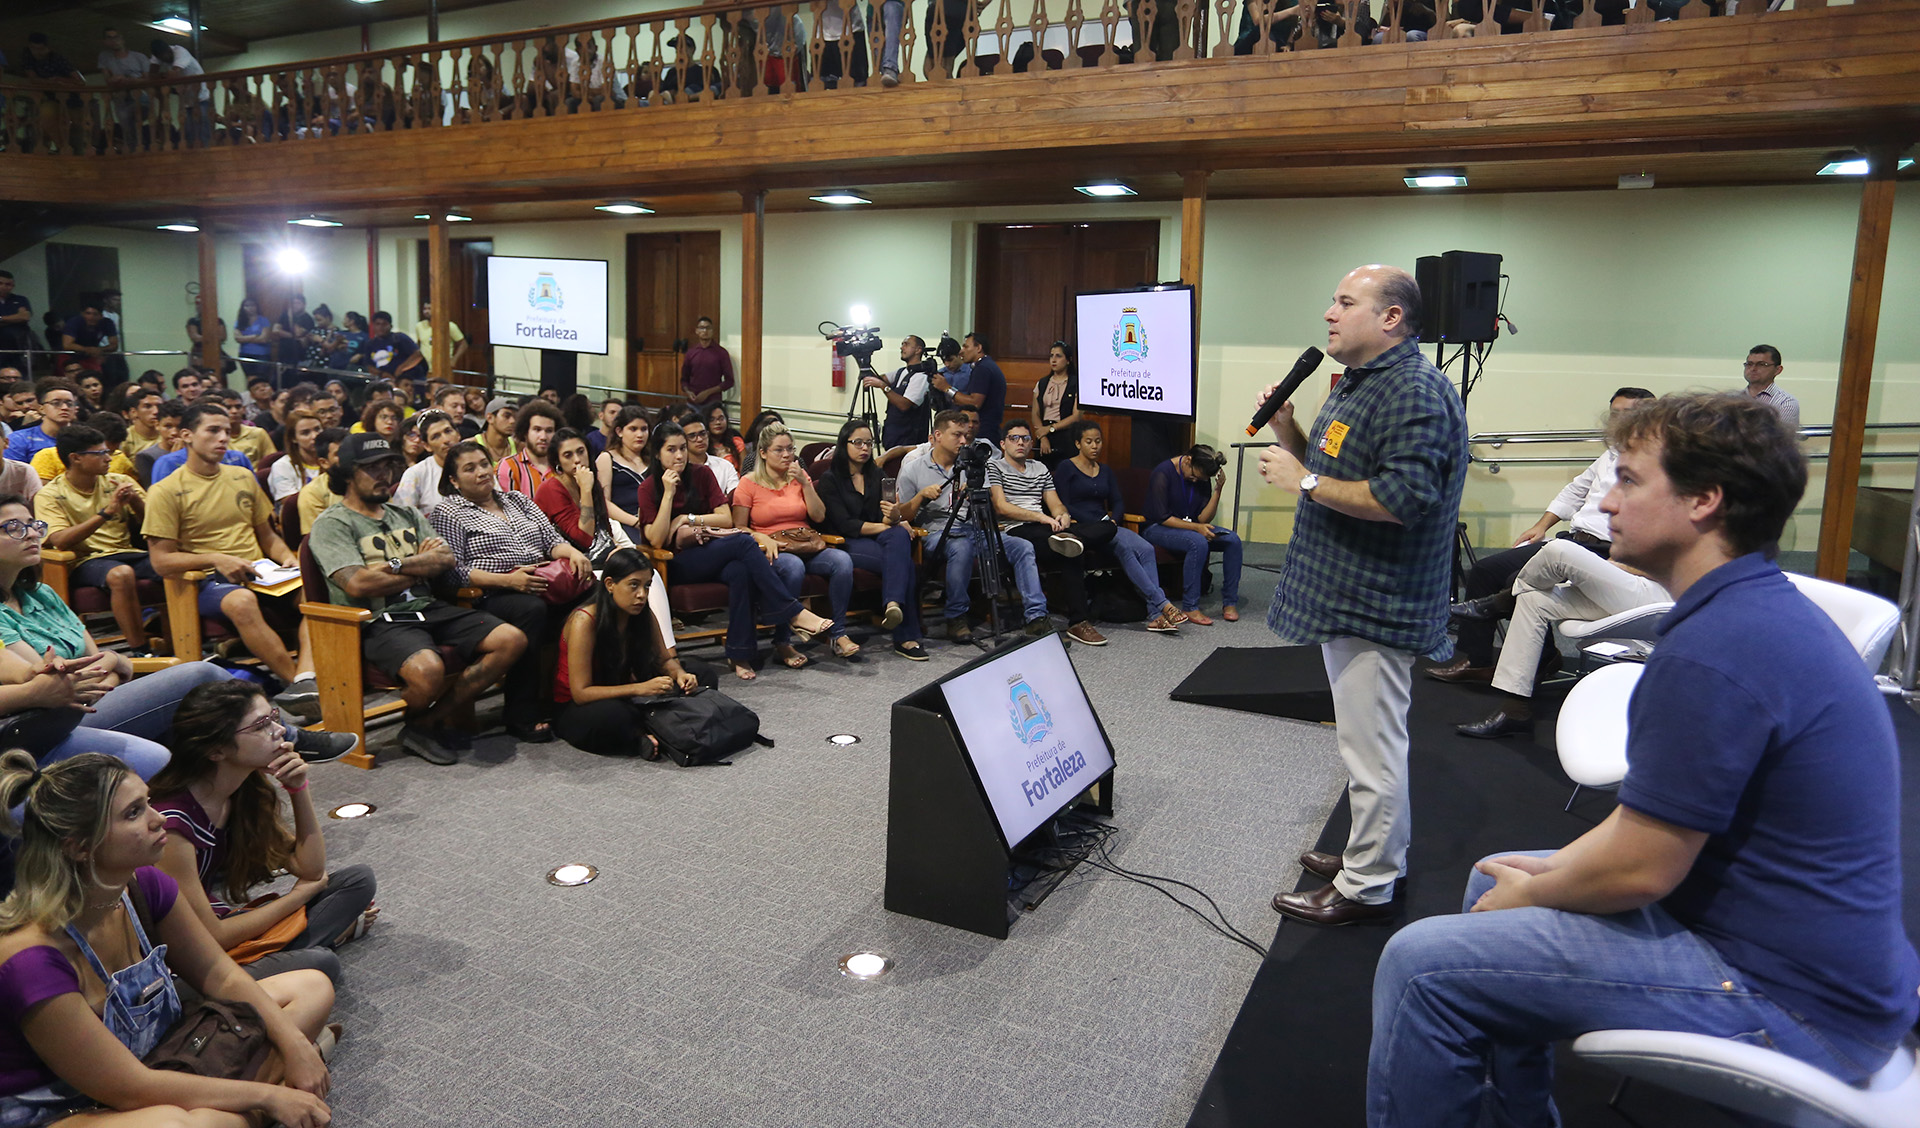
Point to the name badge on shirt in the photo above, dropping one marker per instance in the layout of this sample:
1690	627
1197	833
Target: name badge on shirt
1336	435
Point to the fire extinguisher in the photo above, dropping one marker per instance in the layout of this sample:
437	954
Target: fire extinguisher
839	363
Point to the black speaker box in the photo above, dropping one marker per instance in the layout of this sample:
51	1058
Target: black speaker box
1461	293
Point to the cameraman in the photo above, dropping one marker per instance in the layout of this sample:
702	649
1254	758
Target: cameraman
933	495
908	413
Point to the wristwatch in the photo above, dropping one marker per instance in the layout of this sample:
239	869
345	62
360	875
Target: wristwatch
393	564
1308	483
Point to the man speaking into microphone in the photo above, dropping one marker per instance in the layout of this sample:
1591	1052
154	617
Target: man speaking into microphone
1368	571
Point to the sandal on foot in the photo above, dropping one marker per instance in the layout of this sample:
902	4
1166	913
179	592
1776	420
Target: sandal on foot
1231	614
893	616
806	635
1197	619
743	671
792	659
540	732
846	647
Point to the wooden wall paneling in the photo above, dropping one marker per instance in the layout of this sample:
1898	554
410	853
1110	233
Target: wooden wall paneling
753	269
440	294
472	301
1856	365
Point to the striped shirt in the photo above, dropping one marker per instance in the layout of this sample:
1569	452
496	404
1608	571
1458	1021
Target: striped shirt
485	540
1026	489
518	474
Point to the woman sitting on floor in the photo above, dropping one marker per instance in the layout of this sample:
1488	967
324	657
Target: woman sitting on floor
777	496
499	539
612	654
87	940
683	510
851	491
221	800
1091	492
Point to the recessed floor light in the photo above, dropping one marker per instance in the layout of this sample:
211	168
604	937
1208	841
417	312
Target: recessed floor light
865	965
352	811
1104	190
573	873
843	739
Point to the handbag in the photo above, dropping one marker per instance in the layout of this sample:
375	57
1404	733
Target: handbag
703	727
802	542
40	731
278	936
215	1038
564	586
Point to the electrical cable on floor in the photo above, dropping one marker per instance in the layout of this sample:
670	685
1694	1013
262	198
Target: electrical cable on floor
1101	833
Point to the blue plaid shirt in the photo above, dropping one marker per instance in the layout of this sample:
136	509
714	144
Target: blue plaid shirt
1398	425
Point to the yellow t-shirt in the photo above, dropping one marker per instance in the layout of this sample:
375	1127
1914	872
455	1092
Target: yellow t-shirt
253	442
62	506
48	464
314	497
135	444
208	514
423	336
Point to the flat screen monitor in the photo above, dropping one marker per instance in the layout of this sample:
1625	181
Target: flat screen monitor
1136	350
546	303
1029	732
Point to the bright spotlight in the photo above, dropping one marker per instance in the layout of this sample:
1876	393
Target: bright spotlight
291	261
862	315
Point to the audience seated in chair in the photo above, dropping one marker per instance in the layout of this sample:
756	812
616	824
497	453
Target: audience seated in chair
87	905
232	761
693	424
875	538
531	463
1747	886
623	465
1562	581
167	464
573	501
317	496
1180	507
777	496
1028	506
614	654
93	514
213	521
1579	505
304	460
499	539
1091	492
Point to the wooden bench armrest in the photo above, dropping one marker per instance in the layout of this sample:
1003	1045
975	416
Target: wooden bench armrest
833	538
1134	519
657	555
193	577
335	613
57	556
467	596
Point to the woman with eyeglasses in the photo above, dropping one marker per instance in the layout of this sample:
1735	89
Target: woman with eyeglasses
779	495
856	510
221	798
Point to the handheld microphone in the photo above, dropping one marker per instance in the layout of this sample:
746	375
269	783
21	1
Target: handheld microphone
1302	368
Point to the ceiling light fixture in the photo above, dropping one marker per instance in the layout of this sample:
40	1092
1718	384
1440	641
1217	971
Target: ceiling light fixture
315	221
1636	180
175	24
840	198
865	965
573	873
1105	191
624	207
1853	164
1436	178
183	228
456	217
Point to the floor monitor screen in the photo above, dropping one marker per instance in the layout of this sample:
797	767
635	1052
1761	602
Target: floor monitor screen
544	303
1030	732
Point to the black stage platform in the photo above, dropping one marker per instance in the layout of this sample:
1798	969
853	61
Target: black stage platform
1297	1053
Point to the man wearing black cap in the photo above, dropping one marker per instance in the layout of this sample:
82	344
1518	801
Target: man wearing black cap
383	558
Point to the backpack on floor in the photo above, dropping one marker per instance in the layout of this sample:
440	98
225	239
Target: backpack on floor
704	727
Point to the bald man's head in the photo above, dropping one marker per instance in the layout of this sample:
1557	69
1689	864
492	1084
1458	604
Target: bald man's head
1375	308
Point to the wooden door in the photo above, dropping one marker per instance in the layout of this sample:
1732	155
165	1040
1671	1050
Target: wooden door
673	280
468	281
1024	287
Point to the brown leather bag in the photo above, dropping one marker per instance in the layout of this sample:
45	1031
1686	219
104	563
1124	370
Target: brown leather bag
802	542
215	1038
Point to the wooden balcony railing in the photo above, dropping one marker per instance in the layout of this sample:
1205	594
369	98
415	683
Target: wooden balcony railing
742	50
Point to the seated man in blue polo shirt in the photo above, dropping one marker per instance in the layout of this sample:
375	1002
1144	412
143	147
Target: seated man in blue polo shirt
165	464
1748	884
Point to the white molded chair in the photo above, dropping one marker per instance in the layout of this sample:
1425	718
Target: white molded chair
1591	734
1637	623
1867	620
1759	1081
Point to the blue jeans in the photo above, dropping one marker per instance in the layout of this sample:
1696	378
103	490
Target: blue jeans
1466	1008
890	556
132	720
830	562
960	550
737	562
1135	557
1193	550
891	13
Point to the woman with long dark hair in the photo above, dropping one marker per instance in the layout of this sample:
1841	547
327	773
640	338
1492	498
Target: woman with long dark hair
221	796
623	466
254	333
1091	492
572	498
855	510
1056	405
612	654
302	464
89	938
723	440
682	509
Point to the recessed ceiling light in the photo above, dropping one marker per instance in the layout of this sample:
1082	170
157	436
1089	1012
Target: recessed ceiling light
1104	190
315	221
352	811
841	198
624	207
174	24
456	217
1435	178
1853	164
843	739
185	228
865	965
1636	180
573	873
423	215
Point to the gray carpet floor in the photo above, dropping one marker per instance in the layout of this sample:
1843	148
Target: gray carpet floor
696	981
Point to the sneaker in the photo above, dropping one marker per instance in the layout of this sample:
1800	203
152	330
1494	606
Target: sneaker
1084	632
959	631
889	77
428	745
1161	624
893	616
301	698
140	652
1039	626
911	651
1066	544
323	747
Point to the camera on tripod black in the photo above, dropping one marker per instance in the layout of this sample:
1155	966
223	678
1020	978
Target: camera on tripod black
859	342
972	462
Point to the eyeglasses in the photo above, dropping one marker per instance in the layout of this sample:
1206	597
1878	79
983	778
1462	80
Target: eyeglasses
63	401
93	453
868	443
1758	364
263	724
1019	438
20	530
780	450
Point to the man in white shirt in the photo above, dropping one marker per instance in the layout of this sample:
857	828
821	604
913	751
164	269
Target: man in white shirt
1762	368
1492	577
419	487
175	61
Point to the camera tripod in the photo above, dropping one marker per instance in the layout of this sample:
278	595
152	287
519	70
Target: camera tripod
993	578
863	404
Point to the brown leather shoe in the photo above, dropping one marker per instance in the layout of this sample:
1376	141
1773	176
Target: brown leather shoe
1462	671
1321	865
1326	906
1083	632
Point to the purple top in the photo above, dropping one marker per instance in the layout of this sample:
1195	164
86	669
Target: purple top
705	368
42	972
188	819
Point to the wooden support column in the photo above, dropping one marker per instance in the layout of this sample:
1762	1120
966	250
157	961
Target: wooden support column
209	300
439	292
1856	365
753	279
1193	239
